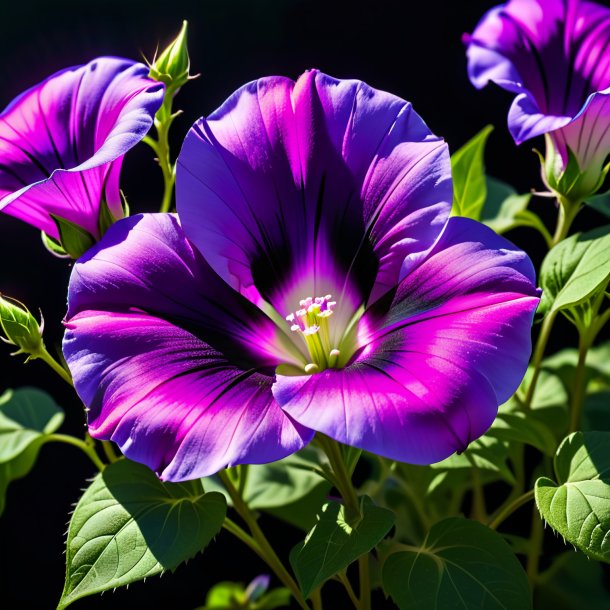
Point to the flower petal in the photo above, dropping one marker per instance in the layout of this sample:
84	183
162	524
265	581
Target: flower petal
171	362
172	402
62	141
552	53
297	189
455	345
146	262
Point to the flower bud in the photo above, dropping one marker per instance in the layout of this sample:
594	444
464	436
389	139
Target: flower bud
257	587
172	65
20	327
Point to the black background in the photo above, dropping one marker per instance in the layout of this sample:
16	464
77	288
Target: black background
412	49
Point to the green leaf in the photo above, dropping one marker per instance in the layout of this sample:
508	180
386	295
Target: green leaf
333	543
576	583
504	210
129	525
489	454
575	269
289	489
578	504
521	427
468	171
600	202
596	411
462	564
27	417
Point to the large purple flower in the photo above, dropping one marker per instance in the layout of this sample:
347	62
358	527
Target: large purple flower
62	142
311	283
555	55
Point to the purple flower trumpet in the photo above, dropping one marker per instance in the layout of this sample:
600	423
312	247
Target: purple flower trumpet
311	282
555	55
62	143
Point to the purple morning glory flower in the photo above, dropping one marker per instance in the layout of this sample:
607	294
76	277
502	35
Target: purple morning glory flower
555	55
311	282
62	142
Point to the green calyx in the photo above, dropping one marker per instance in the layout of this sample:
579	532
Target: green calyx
20	328
570	183
172	66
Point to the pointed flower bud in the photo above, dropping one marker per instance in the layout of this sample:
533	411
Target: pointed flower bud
172	65
19	327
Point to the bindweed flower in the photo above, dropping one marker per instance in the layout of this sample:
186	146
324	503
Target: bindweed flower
62	144
311	282
554	54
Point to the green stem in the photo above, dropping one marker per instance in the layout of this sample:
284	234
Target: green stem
266	550
350	591
163	122
479	511
243	536
541	343
342	478
44	355
82	445
533	555
316	599
109	452
580	379
365	582
565	218
510	508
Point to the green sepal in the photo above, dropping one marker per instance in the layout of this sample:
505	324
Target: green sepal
572	184
129	525
468	172
172	65
461	564
105	218
19	326
333	544
53	246
27	417
577	504
74	240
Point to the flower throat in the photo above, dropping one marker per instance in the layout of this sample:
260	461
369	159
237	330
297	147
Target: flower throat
311	323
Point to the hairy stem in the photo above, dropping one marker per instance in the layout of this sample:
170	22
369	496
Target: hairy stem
85	447
266	550
507	510
58	368
580	383
541	343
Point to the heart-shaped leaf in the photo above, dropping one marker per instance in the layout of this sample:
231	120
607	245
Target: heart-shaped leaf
334	543
27	417
461	564
129	525
575	269
578	504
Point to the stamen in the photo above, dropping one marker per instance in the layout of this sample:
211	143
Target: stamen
311	322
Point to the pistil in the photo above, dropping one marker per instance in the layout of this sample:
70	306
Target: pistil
311	323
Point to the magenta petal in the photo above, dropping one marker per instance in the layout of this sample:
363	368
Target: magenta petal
62	141
454	345
170	401
171	362
288	186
